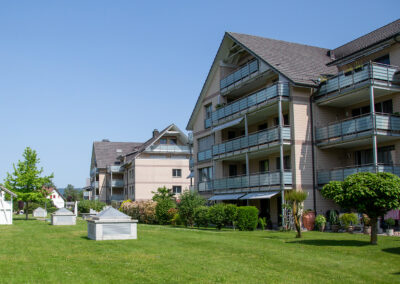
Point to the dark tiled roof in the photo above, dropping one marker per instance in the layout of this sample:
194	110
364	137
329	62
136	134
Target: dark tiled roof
106	152
367	40
302	64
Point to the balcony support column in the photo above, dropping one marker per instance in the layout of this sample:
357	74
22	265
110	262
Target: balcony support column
111	186
246	127
281	168
247	170
373	117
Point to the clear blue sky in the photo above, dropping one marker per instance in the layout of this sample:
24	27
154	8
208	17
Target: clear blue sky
73	72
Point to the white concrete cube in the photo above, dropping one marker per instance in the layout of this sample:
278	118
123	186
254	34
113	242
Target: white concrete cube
63	217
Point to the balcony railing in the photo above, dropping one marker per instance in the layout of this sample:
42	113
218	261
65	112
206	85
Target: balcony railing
357	126
117	183
340	174
255	139
253	180
116	169
94	171
240	74
269	93
95	184
170	148
191	163
379	73
117	197
204	155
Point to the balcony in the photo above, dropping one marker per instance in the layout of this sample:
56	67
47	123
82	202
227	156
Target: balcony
257	99
116	169
117	183
369	73
239	76
340	174
269	179
163	148
117	197
204	155
95	184
94	171
191	163
358	127
256	139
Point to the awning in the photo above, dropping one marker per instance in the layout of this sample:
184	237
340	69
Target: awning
228	124
260	195
226	197
191	175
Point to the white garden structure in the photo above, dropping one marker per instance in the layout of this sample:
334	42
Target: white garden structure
63	217
40	212
6	207
111	224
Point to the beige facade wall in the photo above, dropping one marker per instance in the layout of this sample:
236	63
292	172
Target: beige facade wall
151	174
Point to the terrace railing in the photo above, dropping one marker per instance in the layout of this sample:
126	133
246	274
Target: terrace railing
117	183
204	155
169	148
240	74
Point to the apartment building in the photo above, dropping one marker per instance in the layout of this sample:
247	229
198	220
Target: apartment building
133	170
275	115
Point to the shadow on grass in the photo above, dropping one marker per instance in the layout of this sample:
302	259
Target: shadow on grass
392	250
22	220
337	243
85	238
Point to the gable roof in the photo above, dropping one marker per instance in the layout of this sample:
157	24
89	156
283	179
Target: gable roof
106	152
49	190
375	37
302	64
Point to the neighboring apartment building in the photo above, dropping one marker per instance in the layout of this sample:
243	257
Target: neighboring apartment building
131	170
274	116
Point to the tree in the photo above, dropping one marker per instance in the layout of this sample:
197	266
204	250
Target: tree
190	200
72	194
26	180
295	199
368	193
162	193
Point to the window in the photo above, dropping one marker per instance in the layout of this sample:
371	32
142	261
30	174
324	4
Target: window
244	171
286	163
365	157
231	135
176	172
163	141
208	110
264	166
205	174
285	120
383	107
177	189
383	59
232	170
172	141
262	126
205	143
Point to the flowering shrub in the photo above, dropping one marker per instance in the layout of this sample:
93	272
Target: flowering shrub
143	211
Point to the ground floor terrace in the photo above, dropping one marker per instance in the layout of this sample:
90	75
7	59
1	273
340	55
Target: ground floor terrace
166	254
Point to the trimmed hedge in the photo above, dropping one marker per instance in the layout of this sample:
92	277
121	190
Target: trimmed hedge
201	216
247	218
216	214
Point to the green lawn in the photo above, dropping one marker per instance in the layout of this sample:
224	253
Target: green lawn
34	251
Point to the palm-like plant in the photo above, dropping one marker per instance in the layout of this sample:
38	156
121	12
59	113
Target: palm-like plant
296	199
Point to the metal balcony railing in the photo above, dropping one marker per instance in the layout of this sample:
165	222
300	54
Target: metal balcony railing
94	171
117	197
240	74
244	181
191	163
204	155
116	169
269	93
117	183
379	73
357	126
339	174
95	184
169	148
254	139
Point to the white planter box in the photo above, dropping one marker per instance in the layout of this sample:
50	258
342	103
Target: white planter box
63	217
39	213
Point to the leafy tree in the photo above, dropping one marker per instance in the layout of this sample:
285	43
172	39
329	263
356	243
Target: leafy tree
162	193
190	200
217	215
27	180
72	194
162	211
295	199
368	193
201	217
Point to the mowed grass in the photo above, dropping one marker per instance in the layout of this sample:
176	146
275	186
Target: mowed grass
36	252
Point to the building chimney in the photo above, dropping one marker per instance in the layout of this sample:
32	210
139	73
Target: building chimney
155	132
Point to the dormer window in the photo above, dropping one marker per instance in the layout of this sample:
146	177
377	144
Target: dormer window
173	141
163	141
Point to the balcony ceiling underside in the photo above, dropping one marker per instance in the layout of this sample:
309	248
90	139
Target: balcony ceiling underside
361	140
252	189
256	152
355	96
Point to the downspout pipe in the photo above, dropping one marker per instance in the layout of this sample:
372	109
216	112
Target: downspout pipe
313	150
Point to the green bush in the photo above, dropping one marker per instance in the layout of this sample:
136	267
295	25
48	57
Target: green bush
84	206
201	216
176	220
262	223
162	208
320	221
143	211
247	218
217	215
231	211
189	201
348	219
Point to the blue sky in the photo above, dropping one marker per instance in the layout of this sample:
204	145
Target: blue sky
74	72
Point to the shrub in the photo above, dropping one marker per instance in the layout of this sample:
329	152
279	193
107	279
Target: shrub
176	220
333	217
247	218
231	214
171	213
262	222
190	200
162	208
143	211
84	206
320	221
217	215
201	216
348	218
390	222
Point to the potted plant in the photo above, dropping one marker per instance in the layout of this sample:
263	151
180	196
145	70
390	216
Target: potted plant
348	220
309	219
334	221
390	224
320	222
367	224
